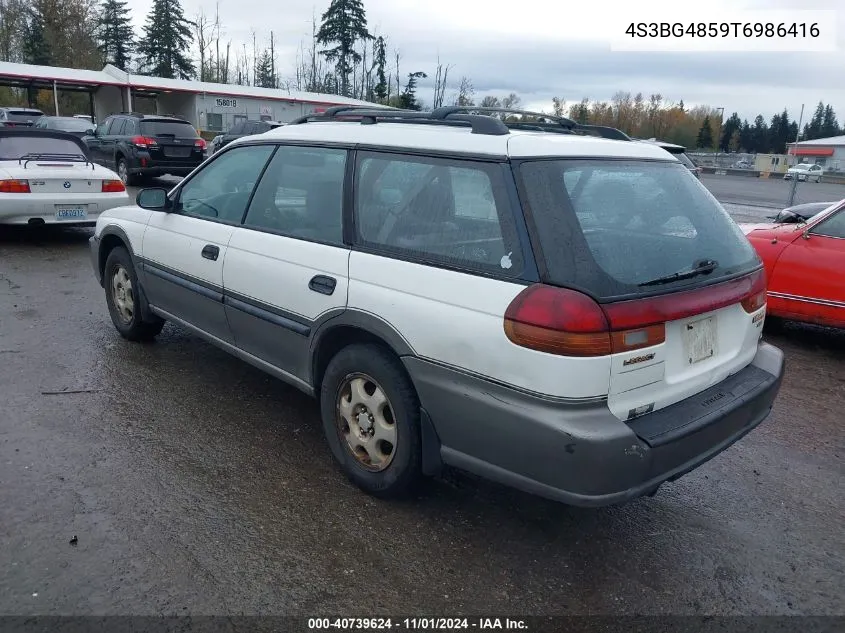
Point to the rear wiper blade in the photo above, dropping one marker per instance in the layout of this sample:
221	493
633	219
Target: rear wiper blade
703	267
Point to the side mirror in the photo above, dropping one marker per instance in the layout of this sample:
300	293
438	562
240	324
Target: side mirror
154	199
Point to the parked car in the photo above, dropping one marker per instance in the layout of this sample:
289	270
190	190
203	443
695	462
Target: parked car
71	125
46	177
679	151
244	128
140	146
743	164
19	117
86	117
805	171
804	264
434	313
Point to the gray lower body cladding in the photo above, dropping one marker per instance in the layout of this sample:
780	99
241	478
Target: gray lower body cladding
581	454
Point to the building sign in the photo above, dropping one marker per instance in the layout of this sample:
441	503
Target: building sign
226	103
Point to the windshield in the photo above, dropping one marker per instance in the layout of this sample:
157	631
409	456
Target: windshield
176	129
611	226
69	124
14	147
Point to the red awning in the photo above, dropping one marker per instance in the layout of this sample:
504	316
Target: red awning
811	151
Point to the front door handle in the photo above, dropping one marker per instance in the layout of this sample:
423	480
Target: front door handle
323	284
210	251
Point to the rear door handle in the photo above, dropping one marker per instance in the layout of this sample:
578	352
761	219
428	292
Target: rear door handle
323	284
210	251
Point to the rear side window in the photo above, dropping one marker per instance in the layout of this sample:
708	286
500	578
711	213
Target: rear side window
176	129
118	127
238	128
439	210
621	228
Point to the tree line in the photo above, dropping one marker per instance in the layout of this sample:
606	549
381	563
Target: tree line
343	56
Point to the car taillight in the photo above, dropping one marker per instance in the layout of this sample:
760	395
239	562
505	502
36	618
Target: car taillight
14	186
200	142
143	141
569	323
113	186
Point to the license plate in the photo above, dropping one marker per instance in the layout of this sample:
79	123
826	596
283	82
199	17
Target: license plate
71	213
177	152
700	340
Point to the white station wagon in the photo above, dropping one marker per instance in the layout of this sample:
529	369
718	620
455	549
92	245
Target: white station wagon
47	177
573	316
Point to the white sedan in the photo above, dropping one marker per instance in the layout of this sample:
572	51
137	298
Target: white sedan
805	171
47	177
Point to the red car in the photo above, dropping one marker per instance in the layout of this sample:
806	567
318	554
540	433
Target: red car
805	266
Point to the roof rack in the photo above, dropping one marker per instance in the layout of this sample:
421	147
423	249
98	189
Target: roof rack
475	117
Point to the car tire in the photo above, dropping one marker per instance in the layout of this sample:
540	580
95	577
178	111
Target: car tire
371	419
123	300
130	180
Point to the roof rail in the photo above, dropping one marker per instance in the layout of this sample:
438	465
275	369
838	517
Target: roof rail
476	117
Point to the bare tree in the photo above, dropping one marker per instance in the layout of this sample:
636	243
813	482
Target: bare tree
204	32
466	93
440	78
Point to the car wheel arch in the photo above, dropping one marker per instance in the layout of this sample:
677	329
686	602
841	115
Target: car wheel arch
348	327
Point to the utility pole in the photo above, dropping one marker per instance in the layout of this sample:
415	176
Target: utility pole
794	187
273	61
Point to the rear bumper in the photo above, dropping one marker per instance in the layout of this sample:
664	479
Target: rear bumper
41	208
580	453
154	167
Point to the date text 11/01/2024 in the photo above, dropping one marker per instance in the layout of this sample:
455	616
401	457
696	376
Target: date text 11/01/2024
429	624
723	29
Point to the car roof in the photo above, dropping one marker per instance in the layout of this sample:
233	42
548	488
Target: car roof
459	140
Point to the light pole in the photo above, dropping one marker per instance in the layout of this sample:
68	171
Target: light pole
795	148
719	132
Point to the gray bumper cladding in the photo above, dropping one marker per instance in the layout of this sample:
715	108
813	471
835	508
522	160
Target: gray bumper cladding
580	453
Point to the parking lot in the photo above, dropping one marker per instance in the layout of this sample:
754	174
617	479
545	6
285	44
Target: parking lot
172	478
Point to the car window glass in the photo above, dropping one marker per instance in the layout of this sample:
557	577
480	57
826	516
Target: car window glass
238	128
301	194
444	211
117	127
104	127
130	128
832	227
221	190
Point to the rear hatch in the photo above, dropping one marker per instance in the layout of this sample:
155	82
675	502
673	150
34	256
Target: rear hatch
681	290
170	141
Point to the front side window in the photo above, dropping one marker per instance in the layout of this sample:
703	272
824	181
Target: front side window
625	227
301	194
441	211
221	190
832	227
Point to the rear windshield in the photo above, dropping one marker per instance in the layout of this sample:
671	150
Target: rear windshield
14	147
23	115
176	129
620	228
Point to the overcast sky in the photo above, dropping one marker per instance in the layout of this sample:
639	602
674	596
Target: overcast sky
545	48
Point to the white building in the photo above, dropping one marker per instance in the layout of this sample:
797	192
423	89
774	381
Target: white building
827	152
208	106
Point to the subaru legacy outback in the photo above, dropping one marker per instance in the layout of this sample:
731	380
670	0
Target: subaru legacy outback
524	299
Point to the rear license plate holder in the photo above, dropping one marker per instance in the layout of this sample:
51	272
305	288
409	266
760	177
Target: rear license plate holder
71	213
700	340
177	152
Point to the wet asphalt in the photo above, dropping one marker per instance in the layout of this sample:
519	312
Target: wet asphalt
170	478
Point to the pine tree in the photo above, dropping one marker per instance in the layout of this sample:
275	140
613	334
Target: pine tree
759	136
115	34
705	135
733	124
746	141
36	48
408	98
379	64
829	126
814	130
264	72
343	24
164	48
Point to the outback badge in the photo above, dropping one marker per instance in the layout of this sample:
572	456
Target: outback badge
637	359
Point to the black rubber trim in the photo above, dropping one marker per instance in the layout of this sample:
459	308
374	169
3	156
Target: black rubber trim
708	407
266	315
214	295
